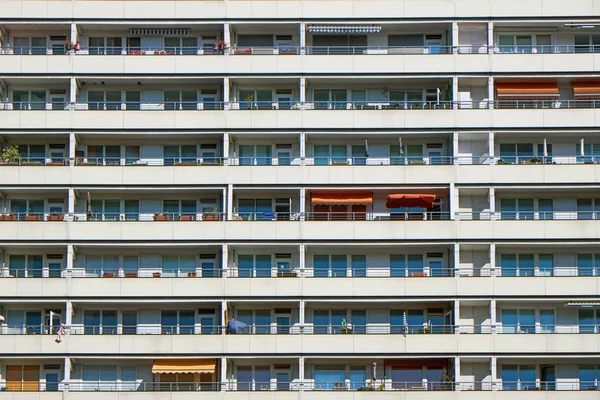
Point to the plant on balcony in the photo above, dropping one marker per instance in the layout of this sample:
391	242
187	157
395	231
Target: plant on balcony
500	161
536	160
137	52
56	217
447	379
108	275
10	154
131	275
8	217
220	46
162	53
187	217
156	274
162	217
210	217
191	275
287	50
32	218
243	52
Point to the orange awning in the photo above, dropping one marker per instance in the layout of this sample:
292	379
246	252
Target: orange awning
589	89
195	366
342	198
410	200
527	90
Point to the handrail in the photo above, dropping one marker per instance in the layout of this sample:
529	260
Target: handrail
529	215
277	105
296	160
466	49
384	328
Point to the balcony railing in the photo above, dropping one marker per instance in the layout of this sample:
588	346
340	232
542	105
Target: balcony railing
269	105
297	50
383	328
527	215
295	160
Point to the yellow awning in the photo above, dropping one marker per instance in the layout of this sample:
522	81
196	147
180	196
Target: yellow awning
195	366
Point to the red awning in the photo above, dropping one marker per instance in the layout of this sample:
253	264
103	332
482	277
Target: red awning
586	90
410	200
342	198
527	90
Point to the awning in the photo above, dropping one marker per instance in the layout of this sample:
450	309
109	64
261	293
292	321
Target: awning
410	200
587	90
347	29
422	362
582	304
342	198
527	90
194	366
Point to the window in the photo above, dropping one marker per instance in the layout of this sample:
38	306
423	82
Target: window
588	264
330	265
522	209
336	99
588	377
22	378
105	210
104	100
335	154
256	209
409	98
516	153
547	321
407	377
256	99
588	208
518	377
178	265
406	265
257	321
132	210
99	377
359	265
104	155
180	99
29	99
254	265
589	319
130	322
96	322
329	378
250	154
587	43
518	321
177	154
177	322
181	45
32	152
23	208
25	266
253	378
546	264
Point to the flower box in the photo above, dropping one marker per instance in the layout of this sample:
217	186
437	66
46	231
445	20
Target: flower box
210	217
243	52
287	51
191	274
187	217
162	217
32	218
184	163
156	274
56	217
108	275
8	217
131	275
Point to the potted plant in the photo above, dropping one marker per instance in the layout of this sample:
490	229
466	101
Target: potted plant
210	216
131	275
162	217
108	275
191	275
500	161
156	274
187	217
33	217
243	52
10	154
56	217
536	160
220	47
447	379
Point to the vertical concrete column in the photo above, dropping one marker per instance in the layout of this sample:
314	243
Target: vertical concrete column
457	373
226	93
456	312
224	315
455	92
302	139
74	33
454	43
69	313
491	147
456	265
302	203
490	36
229	202
225	148
493	316
224	260
223	373
492	201
301	370
453	201
70	260
72	148
491	92
71	202
494	372
302	84
302	256
302	37
302	312
73	90
227	34
224	202
492	256
67	374
455	148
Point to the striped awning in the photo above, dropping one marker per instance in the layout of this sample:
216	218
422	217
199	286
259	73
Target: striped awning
586	90
185	366
527	90
347	29
339	197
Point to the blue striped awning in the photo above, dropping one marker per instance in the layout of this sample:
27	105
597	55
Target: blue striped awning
344	29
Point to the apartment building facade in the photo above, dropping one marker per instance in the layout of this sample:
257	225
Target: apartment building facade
301	198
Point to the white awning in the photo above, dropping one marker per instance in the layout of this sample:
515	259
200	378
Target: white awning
347	29
582	304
